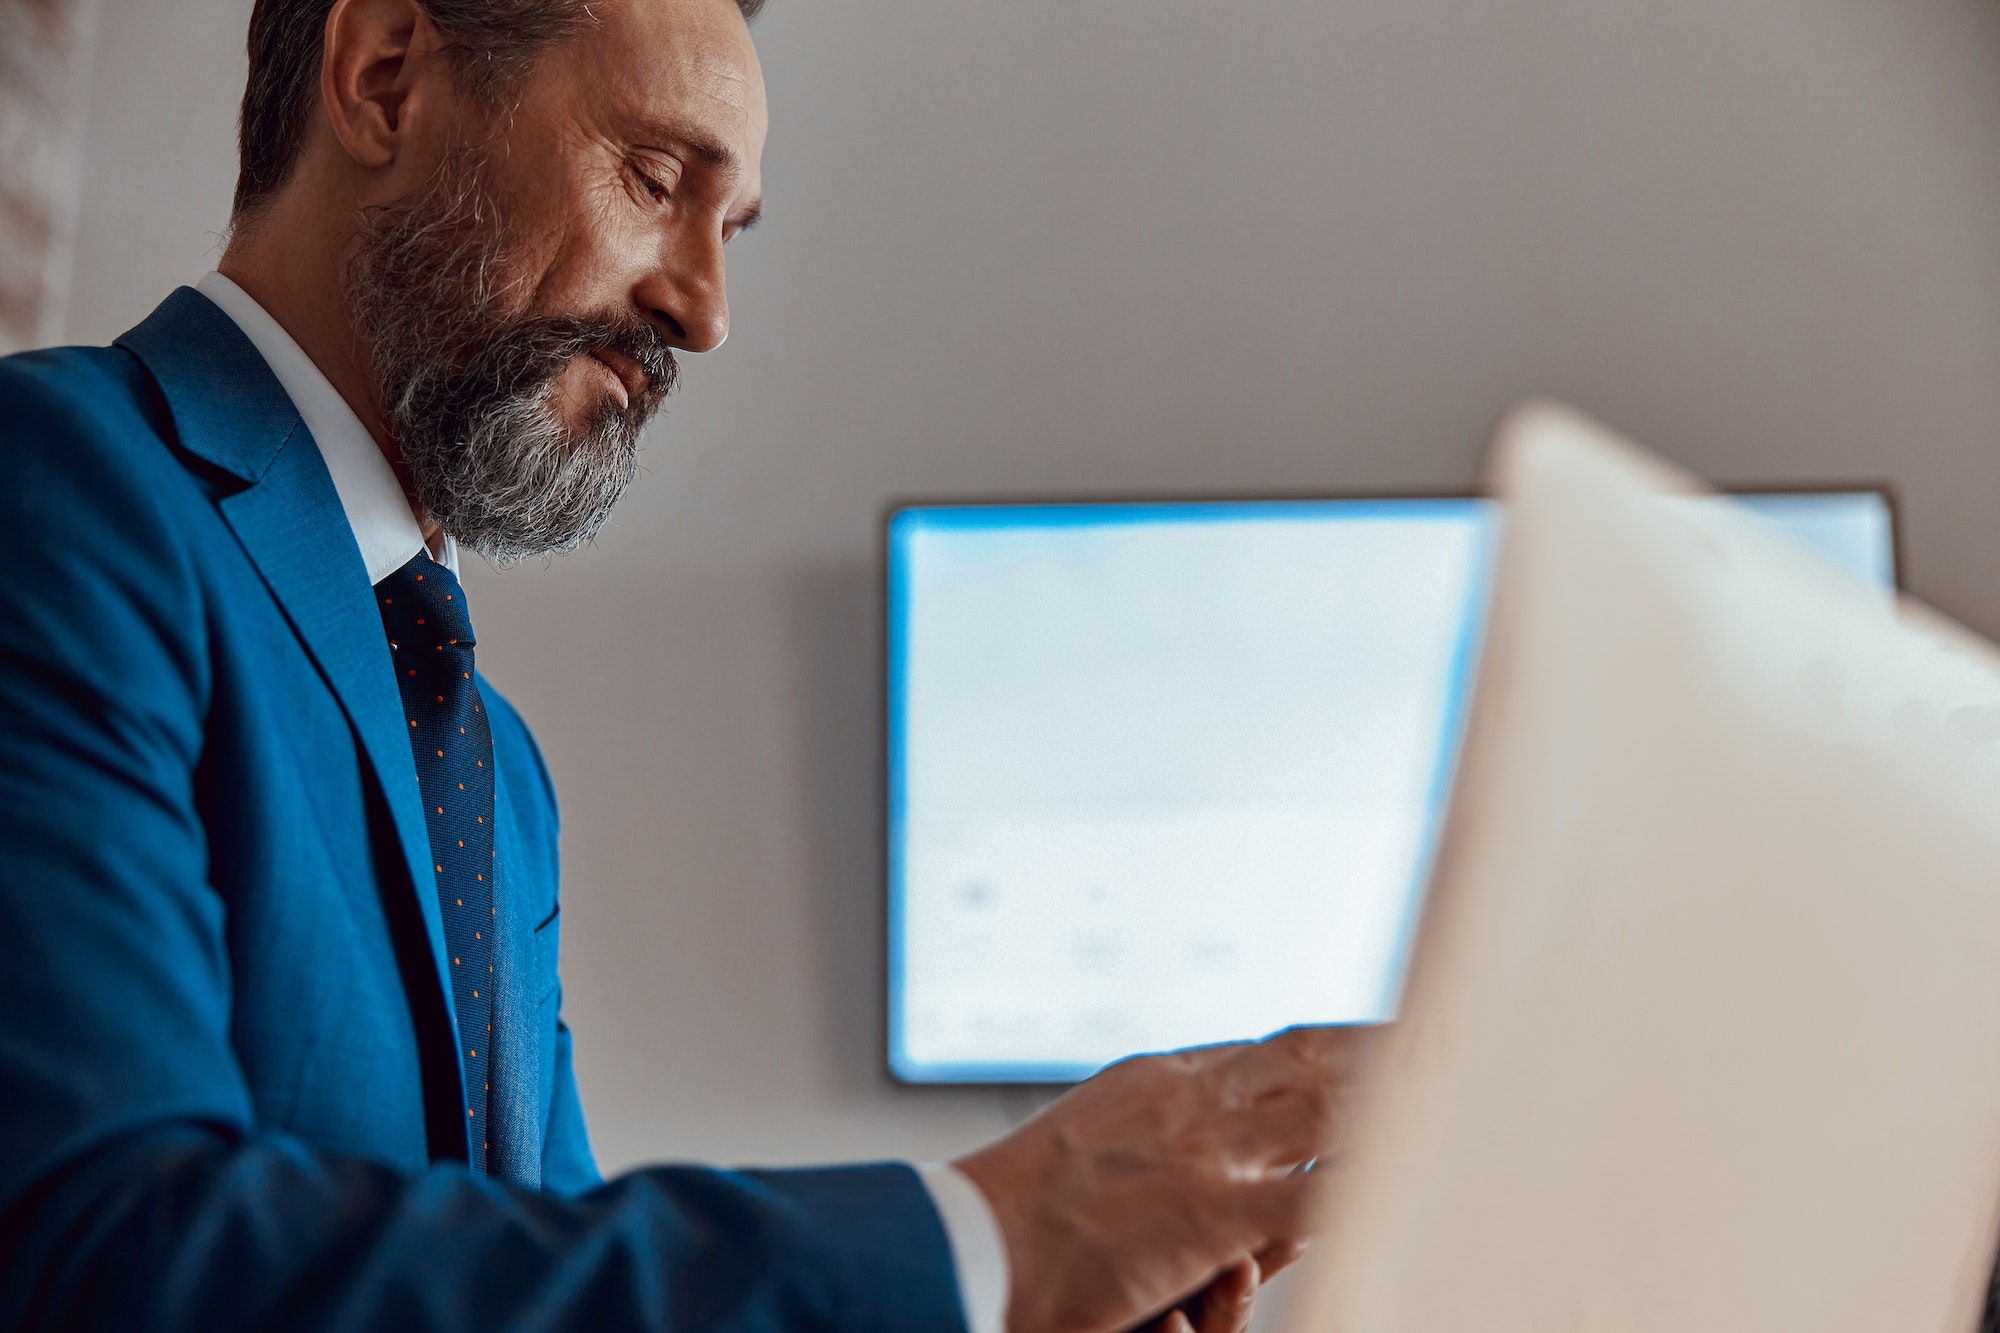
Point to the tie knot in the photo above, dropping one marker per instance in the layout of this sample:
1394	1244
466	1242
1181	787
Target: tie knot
423	604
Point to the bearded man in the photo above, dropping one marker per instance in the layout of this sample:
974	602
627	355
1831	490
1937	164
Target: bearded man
280	1043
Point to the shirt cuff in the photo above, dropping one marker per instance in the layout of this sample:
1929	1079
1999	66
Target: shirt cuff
978	1251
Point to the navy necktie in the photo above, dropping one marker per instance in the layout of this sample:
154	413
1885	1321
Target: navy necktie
430	637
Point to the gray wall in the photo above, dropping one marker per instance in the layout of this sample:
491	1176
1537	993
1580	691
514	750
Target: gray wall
1140	245
45	58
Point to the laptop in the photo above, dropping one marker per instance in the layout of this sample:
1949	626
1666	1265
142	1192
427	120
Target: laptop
1702	1028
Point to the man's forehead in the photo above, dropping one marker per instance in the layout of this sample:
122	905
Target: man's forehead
684	68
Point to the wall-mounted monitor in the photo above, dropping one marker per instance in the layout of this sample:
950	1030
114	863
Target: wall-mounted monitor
1163	774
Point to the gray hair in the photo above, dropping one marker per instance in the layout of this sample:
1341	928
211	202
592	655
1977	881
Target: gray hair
491	44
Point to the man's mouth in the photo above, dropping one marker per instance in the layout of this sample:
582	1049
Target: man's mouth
627	378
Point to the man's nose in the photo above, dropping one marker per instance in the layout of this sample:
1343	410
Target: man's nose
687	298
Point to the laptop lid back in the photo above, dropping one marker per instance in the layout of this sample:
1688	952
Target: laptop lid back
1703	1025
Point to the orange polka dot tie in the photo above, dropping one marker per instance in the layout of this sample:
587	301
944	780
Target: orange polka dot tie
430	637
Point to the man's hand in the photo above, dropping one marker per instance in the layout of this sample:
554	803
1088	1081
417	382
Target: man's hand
1163	1177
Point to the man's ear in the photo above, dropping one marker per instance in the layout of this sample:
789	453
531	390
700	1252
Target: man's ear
384	68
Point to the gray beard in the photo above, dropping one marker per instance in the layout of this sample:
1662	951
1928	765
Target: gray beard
468	386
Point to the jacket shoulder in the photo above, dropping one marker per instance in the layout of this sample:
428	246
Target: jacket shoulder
101	522
90	418
88	390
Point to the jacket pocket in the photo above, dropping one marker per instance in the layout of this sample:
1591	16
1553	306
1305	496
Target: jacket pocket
547	936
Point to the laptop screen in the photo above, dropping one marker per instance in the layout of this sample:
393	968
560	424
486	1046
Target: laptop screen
1163	774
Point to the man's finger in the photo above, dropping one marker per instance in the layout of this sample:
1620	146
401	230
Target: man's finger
1276	1257
1293	1057
1279	1211
1226	1304
1286	1127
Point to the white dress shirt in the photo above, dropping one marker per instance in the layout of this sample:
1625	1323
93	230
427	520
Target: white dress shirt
386	530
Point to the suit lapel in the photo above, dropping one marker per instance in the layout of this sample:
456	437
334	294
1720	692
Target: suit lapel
295	532
231	411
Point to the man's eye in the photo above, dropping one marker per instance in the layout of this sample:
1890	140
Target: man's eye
659	192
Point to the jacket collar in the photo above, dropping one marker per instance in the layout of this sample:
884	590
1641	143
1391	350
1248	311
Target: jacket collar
228	407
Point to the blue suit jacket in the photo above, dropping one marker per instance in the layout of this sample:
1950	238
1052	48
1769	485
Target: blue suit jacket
230	1094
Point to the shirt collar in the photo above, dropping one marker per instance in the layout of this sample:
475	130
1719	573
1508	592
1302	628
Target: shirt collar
372	498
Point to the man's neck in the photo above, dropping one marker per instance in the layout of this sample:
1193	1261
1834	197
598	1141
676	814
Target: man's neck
291	265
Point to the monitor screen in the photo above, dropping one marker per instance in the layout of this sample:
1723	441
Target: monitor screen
1163	774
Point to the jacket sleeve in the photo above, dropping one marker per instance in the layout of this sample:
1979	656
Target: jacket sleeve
185	1227
137	1190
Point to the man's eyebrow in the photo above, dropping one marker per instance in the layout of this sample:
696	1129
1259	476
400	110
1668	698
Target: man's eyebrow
711	150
